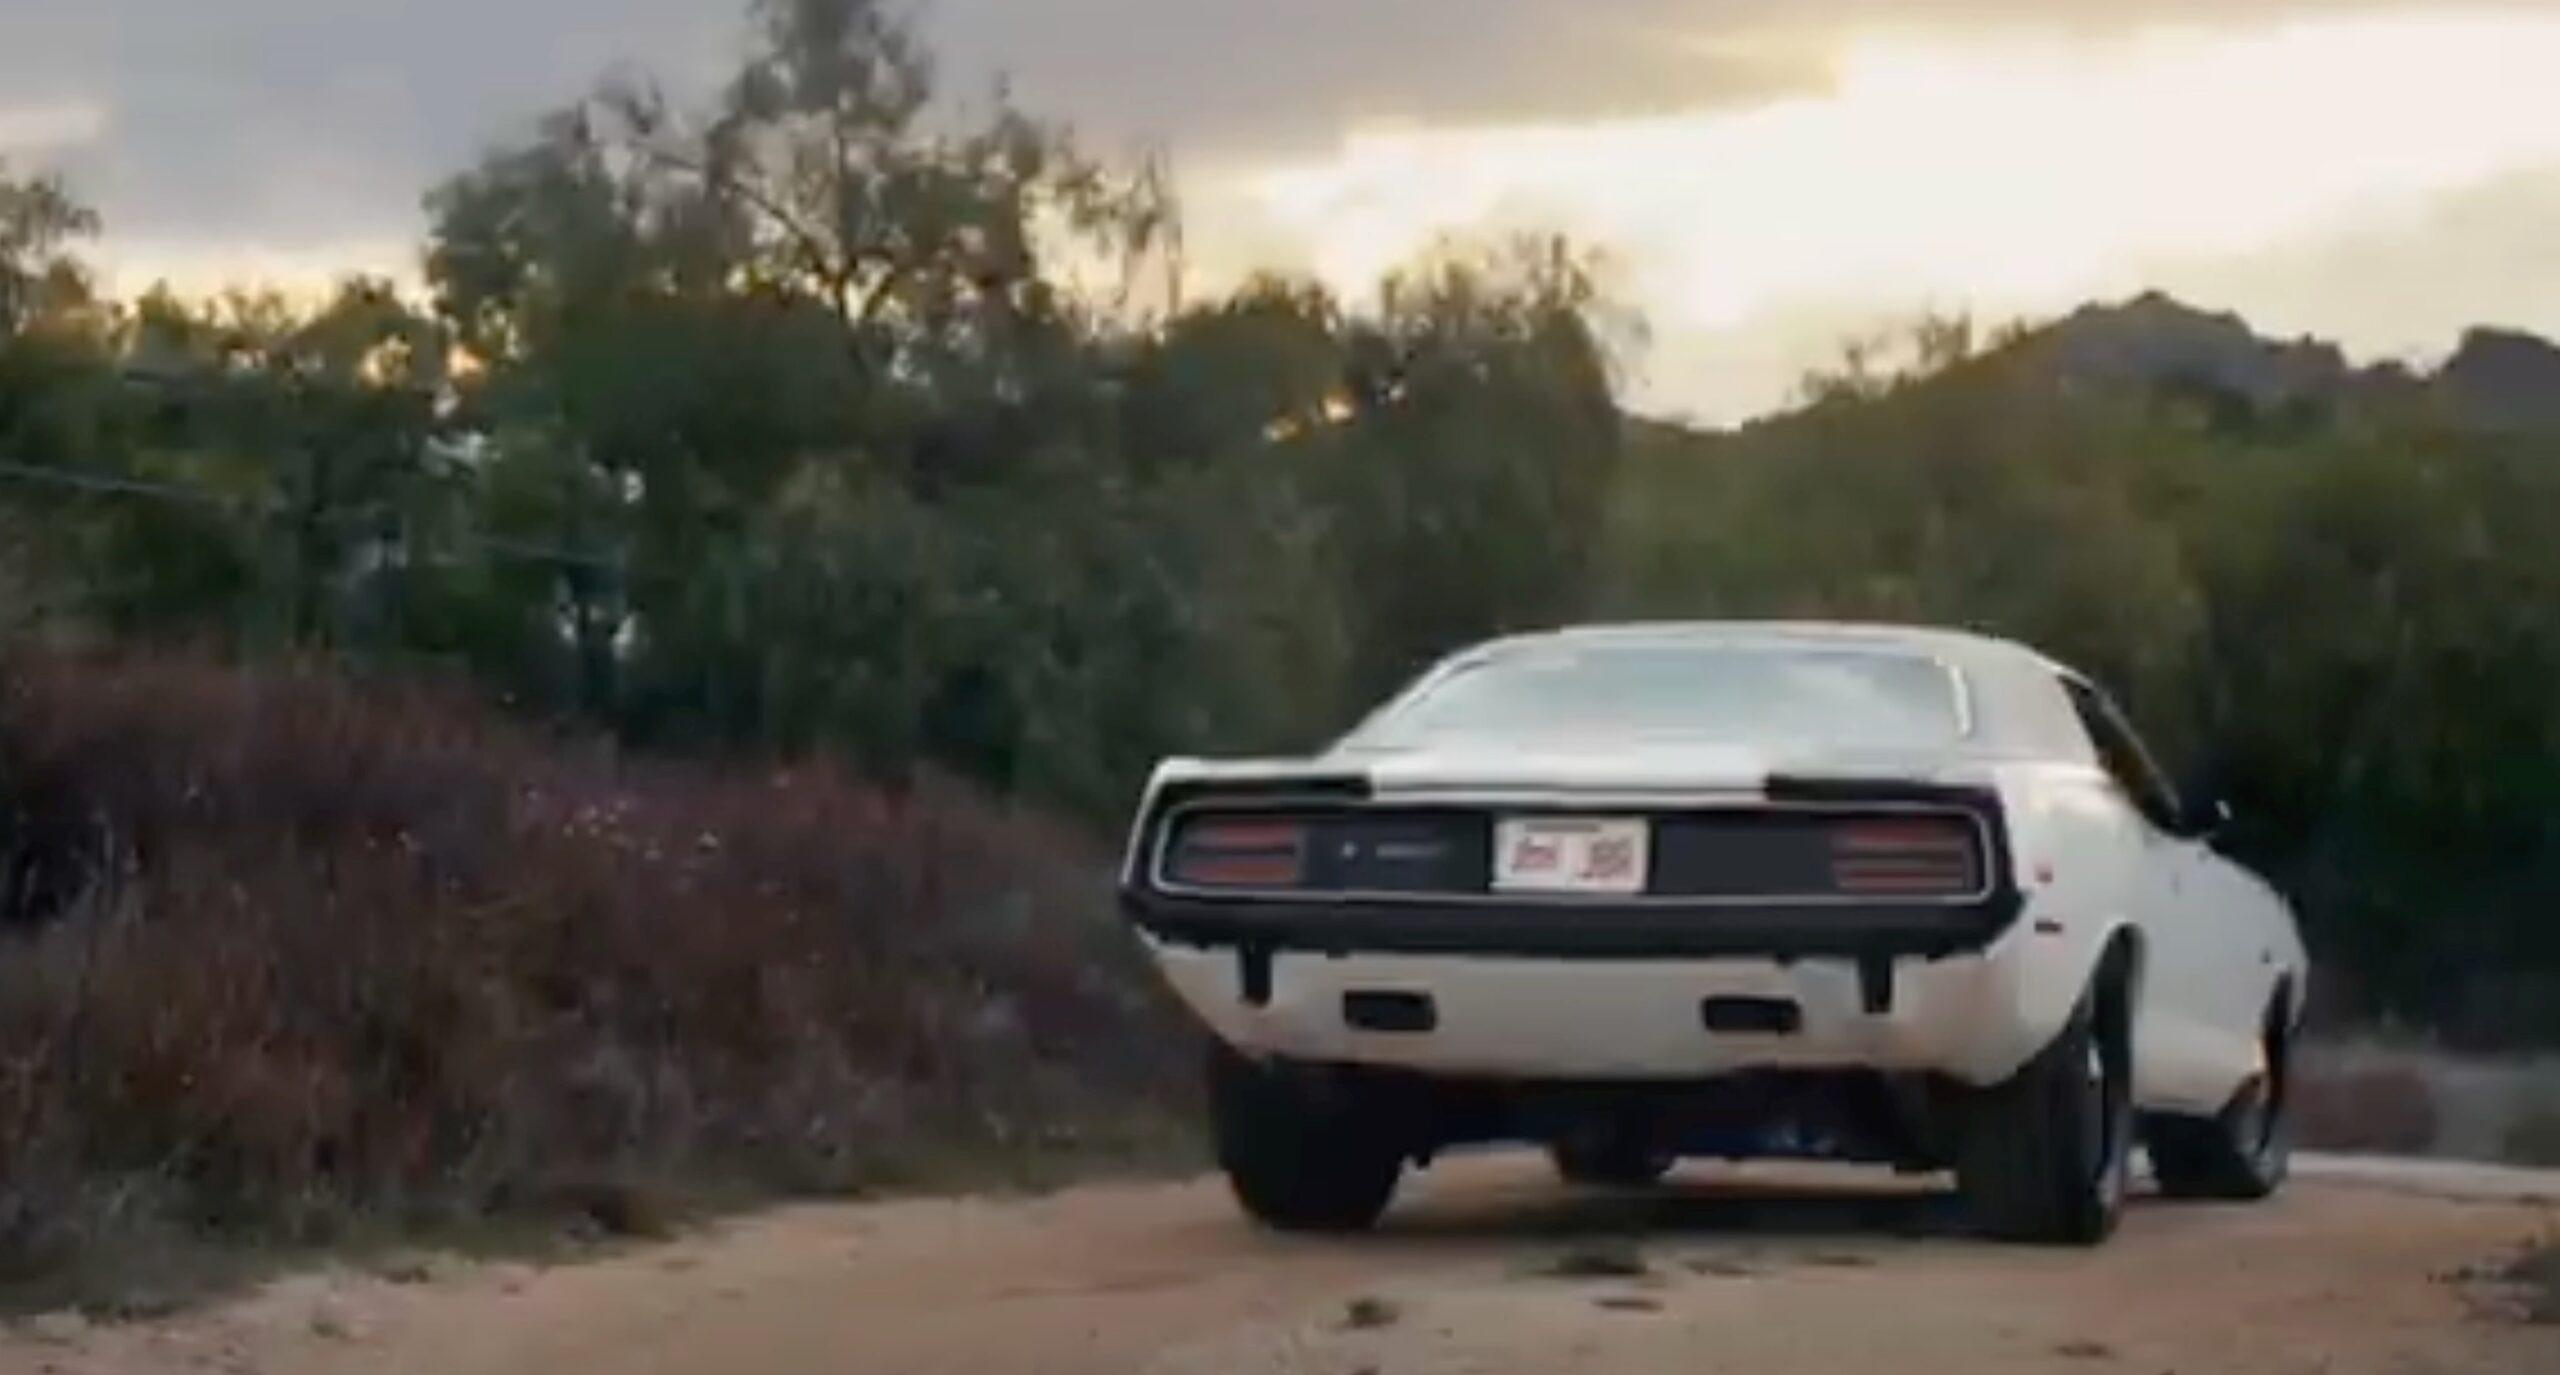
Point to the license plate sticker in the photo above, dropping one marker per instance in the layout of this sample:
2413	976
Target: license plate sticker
1570	854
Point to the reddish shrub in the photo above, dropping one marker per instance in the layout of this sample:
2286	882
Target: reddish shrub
279	940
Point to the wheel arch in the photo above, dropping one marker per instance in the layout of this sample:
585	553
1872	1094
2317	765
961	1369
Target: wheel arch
2126	955
2287	1003
2118	976
2048	972
2280	1027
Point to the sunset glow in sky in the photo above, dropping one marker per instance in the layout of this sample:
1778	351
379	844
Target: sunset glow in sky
2004	177
1765	179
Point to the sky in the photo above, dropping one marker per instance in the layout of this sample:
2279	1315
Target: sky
1766	178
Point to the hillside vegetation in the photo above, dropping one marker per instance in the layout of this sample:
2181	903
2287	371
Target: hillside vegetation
298	956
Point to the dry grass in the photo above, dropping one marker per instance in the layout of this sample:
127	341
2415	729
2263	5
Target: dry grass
286	956
2388	1109
2533	1133
2401	1096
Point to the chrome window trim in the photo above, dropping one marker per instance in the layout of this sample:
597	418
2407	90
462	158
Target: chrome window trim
1961	687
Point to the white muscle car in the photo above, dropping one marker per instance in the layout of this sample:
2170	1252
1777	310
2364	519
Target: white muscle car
1904	896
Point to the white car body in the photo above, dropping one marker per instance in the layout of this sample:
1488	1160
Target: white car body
2088	861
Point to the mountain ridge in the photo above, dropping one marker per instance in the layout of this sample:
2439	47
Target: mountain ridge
2497	377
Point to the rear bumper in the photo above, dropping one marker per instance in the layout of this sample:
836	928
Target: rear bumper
1600	989
1615	1019
1575	931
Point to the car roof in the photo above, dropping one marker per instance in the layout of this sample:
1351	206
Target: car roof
1962	648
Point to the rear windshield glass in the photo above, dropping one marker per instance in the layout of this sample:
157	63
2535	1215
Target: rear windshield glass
1810	694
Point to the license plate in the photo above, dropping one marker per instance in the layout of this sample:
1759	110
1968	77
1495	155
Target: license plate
1569	855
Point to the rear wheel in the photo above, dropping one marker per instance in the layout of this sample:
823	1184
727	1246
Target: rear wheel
1302	1155
2044	1153
2242	1152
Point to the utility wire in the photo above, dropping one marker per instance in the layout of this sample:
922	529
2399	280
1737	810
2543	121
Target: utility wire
103	482
110	484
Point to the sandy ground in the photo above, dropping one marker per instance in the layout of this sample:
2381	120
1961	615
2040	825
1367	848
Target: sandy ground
2356	1268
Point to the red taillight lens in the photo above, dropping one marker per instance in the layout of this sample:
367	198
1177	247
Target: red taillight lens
1923	857
1221	853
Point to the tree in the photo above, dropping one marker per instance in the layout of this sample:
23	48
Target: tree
58	399
806	286
286	476
1480	442
38	278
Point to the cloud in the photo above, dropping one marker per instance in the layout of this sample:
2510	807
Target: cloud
280	131
320	120
310	122
2003	176
1227	78
45	130
2402	280
1218	80
1759	174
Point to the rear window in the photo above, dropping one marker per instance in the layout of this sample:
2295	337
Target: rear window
1810	694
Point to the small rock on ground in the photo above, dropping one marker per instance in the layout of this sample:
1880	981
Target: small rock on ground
65	1328
1600	1262
1369	1311
333	1319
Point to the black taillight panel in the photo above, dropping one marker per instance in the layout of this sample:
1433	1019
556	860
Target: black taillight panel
1886	854
1844	853
1735	854
1403	852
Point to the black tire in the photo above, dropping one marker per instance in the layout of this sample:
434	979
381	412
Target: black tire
1301	1154
2044	1154
1610	1162
2242	1152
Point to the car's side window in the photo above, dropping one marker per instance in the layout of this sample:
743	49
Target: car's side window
2121	754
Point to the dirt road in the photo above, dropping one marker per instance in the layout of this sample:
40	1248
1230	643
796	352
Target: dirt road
1486	1265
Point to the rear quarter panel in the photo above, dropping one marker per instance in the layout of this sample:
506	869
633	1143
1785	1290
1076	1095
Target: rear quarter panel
2088	868
2079	870
2091	866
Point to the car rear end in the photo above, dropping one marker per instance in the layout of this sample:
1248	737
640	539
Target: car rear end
1615	933
1642	894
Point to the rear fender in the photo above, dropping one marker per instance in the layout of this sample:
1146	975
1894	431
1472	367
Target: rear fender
2072	872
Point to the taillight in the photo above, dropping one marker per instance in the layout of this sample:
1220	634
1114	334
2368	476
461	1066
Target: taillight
1927	857
1260	852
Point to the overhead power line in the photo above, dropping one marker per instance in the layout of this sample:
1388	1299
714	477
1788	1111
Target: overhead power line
112	485
105	482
